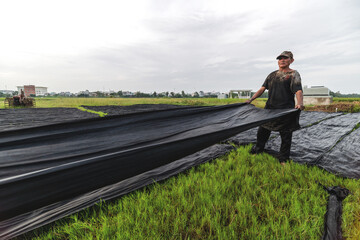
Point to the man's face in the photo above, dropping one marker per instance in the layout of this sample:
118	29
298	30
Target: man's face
284	62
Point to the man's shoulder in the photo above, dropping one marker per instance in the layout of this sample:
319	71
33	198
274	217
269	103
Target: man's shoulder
272	74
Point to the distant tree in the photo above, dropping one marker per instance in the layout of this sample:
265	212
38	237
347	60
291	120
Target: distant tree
335	94
167	94
15	93
99	94
138	94
172	94
154	94
183	94
196	94
120	93
177	95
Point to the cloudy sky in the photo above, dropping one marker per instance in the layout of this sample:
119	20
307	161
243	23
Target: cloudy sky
175	45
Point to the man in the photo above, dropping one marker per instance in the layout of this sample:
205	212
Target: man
282	84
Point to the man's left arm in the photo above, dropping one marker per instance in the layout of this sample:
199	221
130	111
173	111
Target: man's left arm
299	98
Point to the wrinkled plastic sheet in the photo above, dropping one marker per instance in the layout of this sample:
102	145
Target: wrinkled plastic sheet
310	118
11	119
46	165
311	143
306	119
28	221
344	158
112	110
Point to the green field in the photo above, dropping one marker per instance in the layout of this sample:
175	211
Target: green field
341	103
237	196
77	102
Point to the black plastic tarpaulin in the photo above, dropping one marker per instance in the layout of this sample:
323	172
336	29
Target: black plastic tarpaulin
47	165
344	157
332	144
306	119
11	119
333	216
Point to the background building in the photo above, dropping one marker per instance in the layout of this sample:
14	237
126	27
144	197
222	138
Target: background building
316	95
32	90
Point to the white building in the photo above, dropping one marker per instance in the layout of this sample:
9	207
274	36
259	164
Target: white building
316	91
39	91
222	96
316	95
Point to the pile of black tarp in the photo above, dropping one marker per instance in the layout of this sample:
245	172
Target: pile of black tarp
48	172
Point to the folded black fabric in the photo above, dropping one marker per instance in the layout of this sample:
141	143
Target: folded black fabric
333	216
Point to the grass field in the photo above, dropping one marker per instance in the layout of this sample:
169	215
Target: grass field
238	196
339	104
77	102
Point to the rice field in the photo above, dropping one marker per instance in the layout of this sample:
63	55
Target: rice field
77	102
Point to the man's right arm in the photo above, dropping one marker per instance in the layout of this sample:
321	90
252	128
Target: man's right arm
256	95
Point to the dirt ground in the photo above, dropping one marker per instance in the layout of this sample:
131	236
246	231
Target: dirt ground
336	107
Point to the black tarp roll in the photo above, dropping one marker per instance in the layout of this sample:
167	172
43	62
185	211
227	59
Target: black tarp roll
48	164
332	226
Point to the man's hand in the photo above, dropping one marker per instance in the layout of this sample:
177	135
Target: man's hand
256	95
301	107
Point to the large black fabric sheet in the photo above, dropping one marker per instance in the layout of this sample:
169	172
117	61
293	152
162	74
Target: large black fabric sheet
311	143
45	165
28	221
344	157
306	119
112	110
11	119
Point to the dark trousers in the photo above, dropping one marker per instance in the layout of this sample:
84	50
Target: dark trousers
263	135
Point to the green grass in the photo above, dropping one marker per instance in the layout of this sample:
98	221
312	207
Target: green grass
337	99
77	102
101	114
238	196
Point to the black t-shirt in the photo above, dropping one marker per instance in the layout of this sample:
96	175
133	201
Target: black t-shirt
282	86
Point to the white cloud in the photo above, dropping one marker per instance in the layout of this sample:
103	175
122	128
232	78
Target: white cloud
183	45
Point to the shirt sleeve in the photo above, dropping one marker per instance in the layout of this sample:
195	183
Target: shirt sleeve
296	83
266	83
